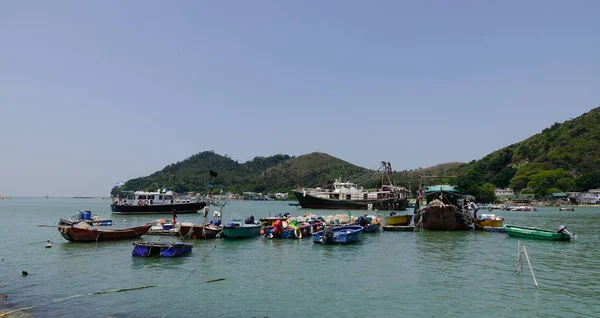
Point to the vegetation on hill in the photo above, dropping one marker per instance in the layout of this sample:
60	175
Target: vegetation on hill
261	174
564	157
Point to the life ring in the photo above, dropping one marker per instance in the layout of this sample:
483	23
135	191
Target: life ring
145	202
298	233
140	202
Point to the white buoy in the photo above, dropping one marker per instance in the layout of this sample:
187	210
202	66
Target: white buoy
124	220
48	245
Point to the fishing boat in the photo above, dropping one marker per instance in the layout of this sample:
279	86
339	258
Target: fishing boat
237	228
445	210
349	196
488	220
561	233
338	235
164	249
83	232
397	220
199	231
566	209
87	217
284	230
142	202
370	223
268	221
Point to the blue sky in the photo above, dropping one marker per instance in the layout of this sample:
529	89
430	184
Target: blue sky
95	92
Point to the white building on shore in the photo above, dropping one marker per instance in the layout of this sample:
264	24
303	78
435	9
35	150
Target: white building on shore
504	192
590	197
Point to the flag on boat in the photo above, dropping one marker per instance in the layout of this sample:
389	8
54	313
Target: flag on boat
213	174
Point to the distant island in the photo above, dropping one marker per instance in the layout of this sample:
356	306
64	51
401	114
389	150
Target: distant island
563	158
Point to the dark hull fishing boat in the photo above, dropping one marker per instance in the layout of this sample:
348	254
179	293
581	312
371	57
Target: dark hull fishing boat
179	208
444	211
349	196
77	234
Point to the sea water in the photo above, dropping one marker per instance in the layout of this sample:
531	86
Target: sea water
401	274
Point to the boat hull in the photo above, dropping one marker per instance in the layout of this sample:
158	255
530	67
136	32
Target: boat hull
311	202
75	234
398	220
200	232
146	249
341	235
443	218
534	233
481	224
179	208
247	230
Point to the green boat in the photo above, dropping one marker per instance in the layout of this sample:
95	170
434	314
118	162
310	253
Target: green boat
239	229
561	234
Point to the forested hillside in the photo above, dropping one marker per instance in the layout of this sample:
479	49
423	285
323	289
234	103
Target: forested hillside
563	157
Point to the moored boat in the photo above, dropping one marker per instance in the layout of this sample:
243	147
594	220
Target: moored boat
199	231
444	210
349	196
488	220
142	202
566	209
268	221
284	230
338	235
237	228
561	233
82	232
164	249
397	220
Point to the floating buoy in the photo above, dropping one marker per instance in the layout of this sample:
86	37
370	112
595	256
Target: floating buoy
24	273
48	244
318	228
262	232
124	220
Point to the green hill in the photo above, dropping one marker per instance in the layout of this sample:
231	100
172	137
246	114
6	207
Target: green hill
564	157
274	173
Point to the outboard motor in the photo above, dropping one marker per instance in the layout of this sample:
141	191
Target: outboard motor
250	219
563	229
327	236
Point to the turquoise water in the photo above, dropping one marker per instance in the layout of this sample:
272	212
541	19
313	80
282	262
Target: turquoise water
386	274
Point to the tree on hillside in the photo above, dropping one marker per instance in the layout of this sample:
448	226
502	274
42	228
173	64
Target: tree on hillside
486	193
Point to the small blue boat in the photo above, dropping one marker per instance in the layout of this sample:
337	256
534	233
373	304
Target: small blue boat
145	249
338	235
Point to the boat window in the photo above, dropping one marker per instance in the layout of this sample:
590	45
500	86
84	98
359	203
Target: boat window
348	196
160	197
150	197
142	197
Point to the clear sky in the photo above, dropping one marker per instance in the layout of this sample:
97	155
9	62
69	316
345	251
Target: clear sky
95	92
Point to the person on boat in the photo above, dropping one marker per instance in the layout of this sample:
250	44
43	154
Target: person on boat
362	221
277	229
474	207
174	218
